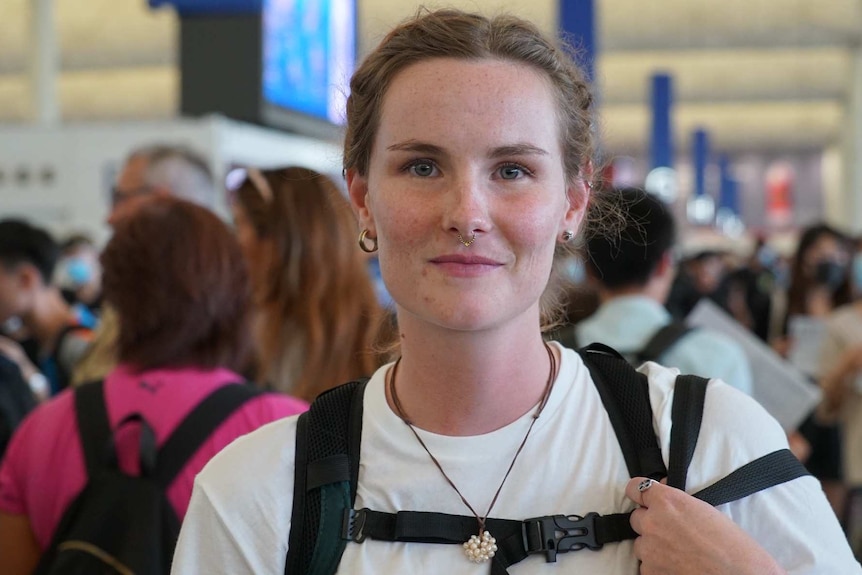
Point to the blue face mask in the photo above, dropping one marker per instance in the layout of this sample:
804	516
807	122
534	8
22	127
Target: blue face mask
78	271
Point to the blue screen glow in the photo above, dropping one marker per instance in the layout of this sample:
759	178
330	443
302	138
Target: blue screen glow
309	53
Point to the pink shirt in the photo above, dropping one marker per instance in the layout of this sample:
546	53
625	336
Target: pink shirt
43	470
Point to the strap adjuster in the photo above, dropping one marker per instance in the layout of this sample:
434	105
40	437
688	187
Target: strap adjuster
353	525
554	534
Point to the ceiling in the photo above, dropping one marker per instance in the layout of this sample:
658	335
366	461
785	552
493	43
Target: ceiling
764	75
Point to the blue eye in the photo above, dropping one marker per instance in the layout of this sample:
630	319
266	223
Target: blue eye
511	172
422	169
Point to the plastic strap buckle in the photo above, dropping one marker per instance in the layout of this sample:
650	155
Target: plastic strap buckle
353	525
554	534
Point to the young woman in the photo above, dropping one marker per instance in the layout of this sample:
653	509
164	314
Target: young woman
316	317
174	273
467	157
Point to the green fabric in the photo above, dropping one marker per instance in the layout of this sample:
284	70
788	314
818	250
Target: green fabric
334	499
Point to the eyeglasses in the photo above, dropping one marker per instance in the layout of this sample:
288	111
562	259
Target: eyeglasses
119	196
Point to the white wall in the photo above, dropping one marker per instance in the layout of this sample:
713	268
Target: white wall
61	177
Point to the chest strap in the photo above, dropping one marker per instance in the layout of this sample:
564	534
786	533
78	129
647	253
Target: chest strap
553	534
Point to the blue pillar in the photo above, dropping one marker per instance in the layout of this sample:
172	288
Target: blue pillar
728	198
577	20
700	160
661	141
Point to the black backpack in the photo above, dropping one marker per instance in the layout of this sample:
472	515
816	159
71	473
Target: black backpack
323	519
16	401
659	343
124	524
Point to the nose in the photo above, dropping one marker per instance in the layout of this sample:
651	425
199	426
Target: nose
467	208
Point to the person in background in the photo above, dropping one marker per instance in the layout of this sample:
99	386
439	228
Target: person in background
174	352
79	276
633	272
819	285
468	152
162	170
317	318
28	256
841	381
699	276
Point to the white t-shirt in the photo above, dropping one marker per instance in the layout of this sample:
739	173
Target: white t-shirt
239	517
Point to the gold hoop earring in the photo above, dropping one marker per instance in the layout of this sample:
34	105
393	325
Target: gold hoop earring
467	243
363	245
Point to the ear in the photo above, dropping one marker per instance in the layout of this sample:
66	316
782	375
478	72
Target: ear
577	198
357	189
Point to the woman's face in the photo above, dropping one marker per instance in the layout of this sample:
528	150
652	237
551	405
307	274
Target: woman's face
467	147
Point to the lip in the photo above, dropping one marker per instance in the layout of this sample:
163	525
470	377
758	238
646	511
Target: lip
463	265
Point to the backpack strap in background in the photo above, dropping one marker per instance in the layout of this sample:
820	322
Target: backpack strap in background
768	471
686	415
191	433
625	395
326	474
662	340
94	427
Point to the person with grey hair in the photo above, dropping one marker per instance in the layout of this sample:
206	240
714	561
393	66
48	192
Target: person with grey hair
159	169
162	169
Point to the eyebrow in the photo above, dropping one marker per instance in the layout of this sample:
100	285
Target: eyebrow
499	152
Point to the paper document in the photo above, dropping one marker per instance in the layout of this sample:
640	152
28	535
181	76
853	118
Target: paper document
806	337
781	388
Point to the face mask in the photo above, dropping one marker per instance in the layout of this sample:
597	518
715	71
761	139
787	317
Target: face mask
830	274
75	272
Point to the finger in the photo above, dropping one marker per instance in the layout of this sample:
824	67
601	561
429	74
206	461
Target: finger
636	520
638	488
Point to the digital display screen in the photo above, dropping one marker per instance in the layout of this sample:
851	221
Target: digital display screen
309	54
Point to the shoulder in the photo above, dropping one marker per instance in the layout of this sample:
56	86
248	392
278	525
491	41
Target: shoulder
267	456
735	429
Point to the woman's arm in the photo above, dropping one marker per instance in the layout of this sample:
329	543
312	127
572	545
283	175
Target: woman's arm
19	551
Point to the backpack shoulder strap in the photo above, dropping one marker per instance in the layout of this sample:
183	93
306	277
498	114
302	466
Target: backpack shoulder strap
686	416
625	395
326	474
94	427
662	340
191	433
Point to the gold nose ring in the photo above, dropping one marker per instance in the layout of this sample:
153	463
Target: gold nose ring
467	243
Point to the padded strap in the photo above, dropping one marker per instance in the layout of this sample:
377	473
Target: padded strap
325	477
94	427
686	415
197	427
625	395
662	340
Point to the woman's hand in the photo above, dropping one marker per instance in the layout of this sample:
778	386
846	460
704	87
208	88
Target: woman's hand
681	535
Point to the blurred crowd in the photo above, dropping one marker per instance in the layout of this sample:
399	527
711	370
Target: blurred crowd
179	303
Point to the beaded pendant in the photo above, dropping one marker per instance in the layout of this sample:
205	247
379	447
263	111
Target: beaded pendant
480	549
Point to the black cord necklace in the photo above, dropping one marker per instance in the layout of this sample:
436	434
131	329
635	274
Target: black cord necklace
482	547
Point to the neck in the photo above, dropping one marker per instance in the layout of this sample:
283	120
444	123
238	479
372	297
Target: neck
48	317
649	290
469	383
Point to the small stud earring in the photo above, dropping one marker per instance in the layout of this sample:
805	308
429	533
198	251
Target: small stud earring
568	235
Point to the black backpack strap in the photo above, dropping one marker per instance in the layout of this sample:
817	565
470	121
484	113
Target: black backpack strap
686	415
768	471
198	425
625	395
94	427
662	340
326	472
